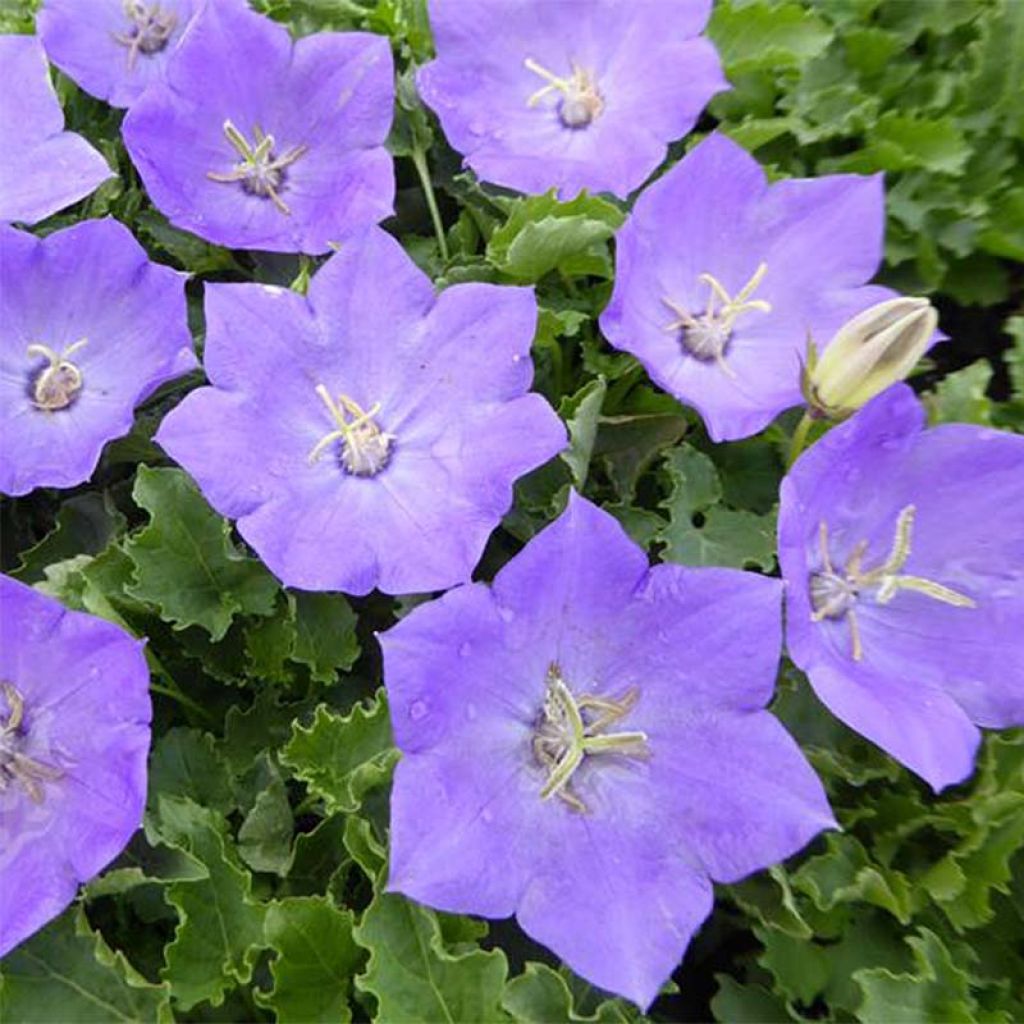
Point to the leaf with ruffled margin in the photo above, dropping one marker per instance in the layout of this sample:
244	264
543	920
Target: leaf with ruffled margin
316	960
185	562
315	630
413	977
341	758
220	926
541	995
67	973
703	532
542	235
937	991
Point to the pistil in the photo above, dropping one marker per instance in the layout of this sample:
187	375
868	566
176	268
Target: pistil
150	29
56	384
571	728
365	448
16	766
259	172
707	335
581	103
834	595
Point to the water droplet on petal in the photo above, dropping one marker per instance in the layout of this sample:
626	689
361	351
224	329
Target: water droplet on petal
417	709
471	711
465	649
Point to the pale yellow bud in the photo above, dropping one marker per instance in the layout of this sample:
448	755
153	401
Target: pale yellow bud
878	347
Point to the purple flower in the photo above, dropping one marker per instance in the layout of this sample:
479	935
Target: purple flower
903	554
90	328
720	278
44	168
585	744
114	48
74	737
368	435
254	141
578	94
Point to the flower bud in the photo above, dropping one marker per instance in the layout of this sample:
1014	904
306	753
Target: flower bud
878	347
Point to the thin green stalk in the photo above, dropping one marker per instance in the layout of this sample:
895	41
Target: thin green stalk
419	159
799	440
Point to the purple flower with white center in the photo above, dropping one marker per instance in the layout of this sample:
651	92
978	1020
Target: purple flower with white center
44	168
584	744
903	553
367	435
74	738
720	278
80	349
579	94
254	141
114	49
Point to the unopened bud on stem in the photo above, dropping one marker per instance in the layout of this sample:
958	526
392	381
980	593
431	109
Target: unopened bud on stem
878	347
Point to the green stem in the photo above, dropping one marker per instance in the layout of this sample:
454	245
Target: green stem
175	694
419	159
799	440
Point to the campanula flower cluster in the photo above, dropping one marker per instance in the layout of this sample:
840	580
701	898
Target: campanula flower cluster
586	741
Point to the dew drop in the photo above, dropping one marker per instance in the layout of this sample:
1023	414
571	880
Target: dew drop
465	649
507	614
471	711
417	709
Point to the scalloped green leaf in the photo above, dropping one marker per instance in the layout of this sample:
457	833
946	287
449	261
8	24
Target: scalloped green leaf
542	234
316	960
220	925
413	977
185	562
67	973
341	758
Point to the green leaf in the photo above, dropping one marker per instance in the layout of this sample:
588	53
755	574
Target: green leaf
541	995
747	1004
86	523
937	991
847	873
961	397
325	634
581	412
413	976
220	926
342	758
315	630
265	836
627	444
187	250
185	562
316	960
767	34
185	763
542	235
67	973
727	537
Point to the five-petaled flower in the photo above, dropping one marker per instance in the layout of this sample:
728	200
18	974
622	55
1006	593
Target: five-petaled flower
43	168
720	278
584	744
254	141
114	49
578	94
79	349
903	553
368	435
74	738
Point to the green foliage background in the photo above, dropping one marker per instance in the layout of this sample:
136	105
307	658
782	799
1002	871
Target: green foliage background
255	891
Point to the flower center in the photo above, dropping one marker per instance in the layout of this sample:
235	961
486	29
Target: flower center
149	30
16	766
580	102
570	728
56	385
834	595
365	448
260	172
706	335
